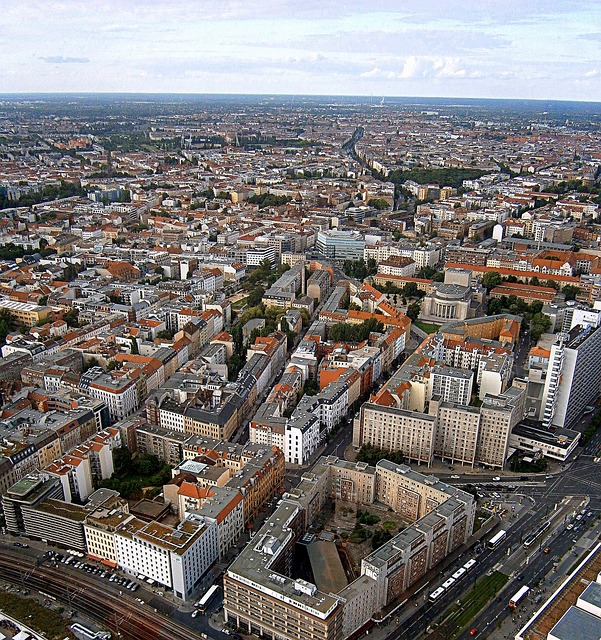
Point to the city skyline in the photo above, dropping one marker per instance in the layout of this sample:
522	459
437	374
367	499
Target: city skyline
466	49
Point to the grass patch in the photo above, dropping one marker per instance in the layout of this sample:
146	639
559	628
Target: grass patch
427	326
459	616
32	614
240	303
388	525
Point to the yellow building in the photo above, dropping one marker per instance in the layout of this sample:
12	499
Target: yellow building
26	313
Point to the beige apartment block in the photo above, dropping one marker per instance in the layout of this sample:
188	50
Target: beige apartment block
393	429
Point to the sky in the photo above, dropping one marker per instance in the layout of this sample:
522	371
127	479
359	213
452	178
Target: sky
534	49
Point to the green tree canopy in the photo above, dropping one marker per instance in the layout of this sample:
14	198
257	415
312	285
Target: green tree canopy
491	279
342	332
413	311
570	291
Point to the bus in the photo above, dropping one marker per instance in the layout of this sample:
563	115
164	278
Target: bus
518	597
459	573
436	594
448	583
539	532
469	565
202	604
496	540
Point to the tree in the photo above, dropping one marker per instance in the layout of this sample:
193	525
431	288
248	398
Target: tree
342	332
165	334
427	273
491	279
70	272
121	459
540	324
410	290
235	364
378	203
134	347
413	311
355	268
373	455
255	295
495	306
570	291
71	318
311	387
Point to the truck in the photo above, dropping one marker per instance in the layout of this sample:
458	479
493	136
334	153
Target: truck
518	597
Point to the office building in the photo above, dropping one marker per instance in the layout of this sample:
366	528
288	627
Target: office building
340	245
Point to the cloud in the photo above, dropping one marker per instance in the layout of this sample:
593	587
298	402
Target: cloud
432	67
65	60
595	37
424	67
593	73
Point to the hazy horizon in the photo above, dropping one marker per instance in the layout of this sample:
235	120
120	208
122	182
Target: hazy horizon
375	100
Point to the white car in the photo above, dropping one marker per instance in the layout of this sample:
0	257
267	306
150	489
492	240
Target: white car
455	477
195	613
496	479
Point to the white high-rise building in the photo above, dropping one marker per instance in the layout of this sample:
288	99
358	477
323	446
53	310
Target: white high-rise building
573	376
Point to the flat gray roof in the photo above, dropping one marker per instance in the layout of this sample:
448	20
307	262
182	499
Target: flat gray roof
576	623
592	594
327	567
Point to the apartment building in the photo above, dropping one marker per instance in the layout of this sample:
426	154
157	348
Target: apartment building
451	384
456	433
393	429
99	529
261	594
319	284
253	470
166	444
225	507
282	292
86	465
573	376
450	431
499	414
118	392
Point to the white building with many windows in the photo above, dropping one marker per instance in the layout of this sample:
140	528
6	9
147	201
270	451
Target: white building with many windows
174	557
118	392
